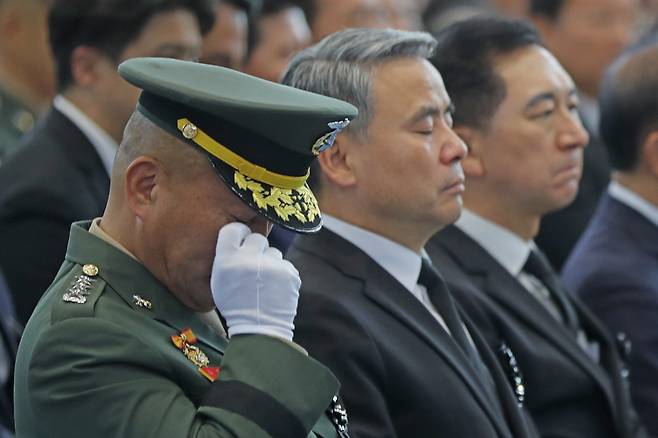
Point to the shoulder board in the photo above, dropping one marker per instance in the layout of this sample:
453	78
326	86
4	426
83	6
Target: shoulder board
78	293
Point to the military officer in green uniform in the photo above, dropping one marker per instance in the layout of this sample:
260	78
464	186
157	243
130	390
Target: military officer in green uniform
126	342
16	120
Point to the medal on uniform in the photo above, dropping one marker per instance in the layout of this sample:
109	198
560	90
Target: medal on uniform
185	341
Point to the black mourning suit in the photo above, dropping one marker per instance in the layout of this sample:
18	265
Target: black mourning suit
567	392
56	178
401	373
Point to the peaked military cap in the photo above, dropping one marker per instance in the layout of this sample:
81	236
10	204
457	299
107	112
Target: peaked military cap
260	137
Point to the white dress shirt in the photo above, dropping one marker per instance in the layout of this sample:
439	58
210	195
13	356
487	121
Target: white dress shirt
507	248
399	261
105	146
634	201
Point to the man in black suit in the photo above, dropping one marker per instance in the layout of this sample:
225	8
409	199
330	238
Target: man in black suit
10	331
613	268
517	112
370	308
61	174
585	36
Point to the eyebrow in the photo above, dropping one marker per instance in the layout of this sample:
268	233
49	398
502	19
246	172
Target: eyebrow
549	95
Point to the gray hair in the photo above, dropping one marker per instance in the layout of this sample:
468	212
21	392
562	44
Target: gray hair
341	65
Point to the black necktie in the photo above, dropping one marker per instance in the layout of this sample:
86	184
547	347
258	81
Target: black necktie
437	290
444	304
538	266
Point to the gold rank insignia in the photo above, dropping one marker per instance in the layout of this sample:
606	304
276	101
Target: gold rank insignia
185	341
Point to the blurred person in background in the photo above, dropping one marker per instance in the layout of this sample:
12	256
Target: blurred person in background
585	36
227	43
10	331
281	31
26	69
404	15
442	13
613	268
61	173
328	16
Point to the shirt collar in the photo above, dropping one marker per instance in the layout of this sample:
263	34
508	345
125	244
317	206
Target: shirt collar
634	201
399	261
506	247
105	145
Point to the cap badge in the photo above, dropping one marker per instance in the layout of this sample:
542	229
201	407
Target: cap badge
190	131
327	140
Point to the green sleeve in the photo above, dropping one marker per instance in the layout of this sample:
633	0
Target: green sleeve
90	377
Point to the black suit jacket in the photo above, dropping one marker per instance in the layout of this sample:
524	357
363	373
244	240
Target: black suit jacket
614	270
401	374
567	393
561	230
10	332
55	178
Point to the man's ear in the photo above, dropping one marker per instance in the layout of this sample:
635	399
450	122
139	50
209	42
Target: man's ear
472	163
142	179
87	66
337	161
650	152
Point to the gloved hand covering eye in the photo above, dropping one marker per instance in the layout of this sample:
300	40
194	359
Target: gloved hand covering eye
254	288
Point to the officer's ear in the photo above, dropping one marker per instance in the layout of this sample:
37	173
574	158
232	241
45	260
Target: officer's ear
649	152
472	164
87	66
336	162
143	178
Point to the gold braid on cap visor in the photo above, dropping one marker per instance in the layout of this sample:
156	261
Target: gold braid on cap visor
289	196
245	167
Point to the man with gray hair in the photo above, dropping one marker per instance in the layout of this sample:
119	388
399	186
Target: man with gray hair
372	308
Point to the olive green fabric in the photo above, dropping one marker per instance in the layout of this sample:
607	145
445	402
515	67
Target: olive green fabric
260	136
108	367
16	120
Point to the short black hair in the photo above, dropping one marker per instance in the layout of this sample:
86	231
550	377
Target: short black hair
108	26
628	104
546	8
465	57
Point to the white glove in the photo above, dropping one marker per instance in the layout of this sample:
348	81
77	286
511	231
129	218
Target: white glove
254	288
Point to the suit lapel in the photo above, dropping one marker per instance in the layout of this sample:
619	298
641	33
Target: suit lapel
386	292
77	147
491	278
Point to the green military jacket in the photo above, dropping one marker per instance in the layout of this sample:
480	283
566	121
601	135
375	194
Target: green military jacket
16	120
98	358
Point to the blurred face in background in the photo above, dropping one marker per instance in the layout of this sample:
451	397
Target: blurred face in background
332	16
587	35
281	36
226	43
404	14
24	46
